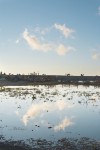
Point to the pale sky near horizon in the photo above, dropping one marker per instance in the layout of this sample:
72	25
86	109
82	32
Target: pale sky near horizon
50	36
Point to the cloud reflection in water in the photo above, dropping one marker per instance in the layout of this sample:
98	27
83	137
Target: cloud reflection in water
65	123
37	109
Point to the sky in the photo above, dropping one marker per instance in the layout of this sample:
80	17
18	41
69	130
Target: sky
50	37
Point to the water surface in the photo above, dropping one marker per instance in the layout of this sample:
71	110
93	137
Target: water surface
49	112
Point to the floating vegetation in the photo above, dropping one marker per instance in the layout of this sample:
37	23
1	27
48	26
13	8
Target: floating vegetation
2	89
38	92
34	97
54	93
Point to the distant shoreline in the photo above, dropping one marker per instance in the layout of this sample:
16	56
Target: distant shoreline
25	80
26	83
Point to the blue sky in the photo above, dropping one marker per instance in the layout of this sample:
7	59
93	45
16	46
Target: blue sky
50	36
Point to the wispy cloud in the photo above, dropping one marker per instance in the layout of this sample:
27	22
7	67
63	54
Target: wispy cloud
67	32
37	44
62	50
99	10
17	41
42	31
65	123
96	55
34	42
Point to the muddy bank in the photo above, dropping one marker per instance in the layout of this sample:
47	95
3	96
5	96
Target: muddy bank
43	144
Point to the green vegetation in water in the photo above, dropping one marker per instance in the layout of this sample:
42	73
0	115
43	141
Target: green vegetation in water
33	97
38	92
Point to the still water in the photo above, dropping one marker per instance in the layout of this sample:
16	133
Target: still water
49	112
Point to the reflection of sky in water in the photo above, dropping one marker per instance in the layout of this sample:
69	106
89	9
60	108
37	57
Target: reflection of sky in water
40	108
50	112
65	123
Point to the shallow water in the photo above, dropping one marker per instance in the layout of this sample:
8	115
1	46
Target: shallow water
49	112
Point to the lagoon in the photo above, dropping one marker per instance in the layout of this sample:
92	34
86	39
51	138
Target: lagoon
49	115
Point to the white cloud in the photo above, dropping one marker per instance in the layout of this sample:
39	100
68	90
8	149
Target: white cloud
62	50
17	41
96	55
67	32
65	123
99	10
37	44
34	43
